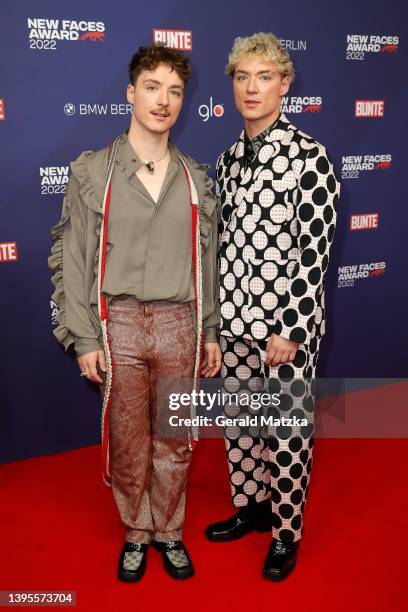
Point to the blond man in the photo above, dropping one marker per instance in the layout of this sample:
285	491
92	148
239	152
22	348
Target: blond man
278	194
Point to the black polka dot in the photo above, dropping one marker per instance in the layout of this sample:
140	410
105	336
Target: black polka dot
285	535
275	495
276	520
299	287
306	212
295	444
331	183
300	359
319	196
308	180
285	485
290	317
314	276
306	306
322	165
298	335
296	470
316	227
303	456
296	522
284	458
304	241
328	213
321	245
286	511
296	496
309	257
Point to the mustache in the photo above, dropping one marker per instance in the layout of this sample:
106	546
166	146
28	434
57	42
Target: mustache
162	111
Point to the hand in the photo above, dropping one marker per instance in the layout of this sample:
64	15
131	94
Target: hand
88	362
212	359
279	350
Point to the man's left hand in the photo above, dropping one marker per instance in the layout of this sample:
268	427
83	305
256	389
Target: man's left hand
279	350
212	359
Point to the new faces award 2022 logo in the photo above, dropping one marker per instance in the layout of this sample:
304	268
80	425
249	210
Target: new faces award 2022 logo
45	33
359	46
54	179
348	276
301	104
207	111
353	165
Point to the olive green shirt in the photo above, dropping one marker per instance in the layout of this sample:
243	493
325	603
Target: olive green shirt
149	250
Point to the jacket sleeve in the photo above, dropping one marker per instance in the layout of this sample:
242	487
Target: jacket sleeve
315	218
67	262
209	260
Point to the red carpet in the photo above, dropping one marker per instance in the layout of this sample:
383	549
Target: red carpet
60	531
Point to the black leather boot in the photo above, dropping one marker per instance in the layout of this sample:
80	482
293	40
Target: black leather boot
280	560
132	561
254	517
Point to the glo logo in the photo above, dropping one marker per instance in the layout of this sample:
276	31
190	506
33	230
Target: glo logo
210	110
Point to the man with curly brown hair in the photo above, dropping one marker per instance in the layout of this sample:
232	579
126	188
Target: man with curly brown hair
134	262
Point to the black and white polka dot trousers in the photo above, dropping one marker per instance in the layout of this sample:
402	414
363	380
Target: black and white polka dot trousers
270	462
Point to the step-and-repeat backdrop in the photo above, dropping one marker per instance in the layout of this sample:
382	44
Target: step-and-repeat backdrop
63	91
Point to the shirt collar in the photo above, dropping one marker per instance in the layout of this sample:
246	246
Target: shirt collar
131	162
252	146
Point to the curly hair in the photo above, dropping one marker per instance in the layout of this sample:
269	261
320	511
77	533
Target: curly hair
265	45
148	58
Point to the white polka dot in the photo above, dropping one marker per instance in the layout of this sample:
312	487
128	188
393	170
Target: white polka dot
243	372
284	241
245	442
256	285
266	197
269	270
235	455
229	281
265	153
278	213
280	285
238	268
240	500
234	169
269	301
238	478
238	297
239	238
248	224
259	330
247	464
237	327
280	164
250	487
227	310
259	239
248	252
231	252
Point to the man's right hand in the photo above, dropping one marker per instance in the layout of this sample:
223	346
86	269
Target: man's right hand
87	363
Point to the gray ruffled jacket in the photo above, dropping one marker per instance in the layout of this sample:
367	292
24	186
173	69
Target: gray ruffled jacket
74	255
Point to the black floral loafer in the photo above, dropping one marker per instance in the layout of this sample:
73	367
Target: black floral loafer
176	560
132	561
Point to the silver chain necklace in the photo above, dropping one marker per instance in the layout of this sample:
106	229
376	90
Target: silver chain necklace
150	164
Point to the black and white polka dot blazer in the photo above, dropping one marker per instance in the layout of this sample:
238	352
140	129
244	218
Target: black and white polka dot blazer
277	224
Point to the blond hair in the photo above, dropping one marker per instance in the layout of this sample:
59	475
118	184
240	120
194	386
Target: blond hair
266	45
